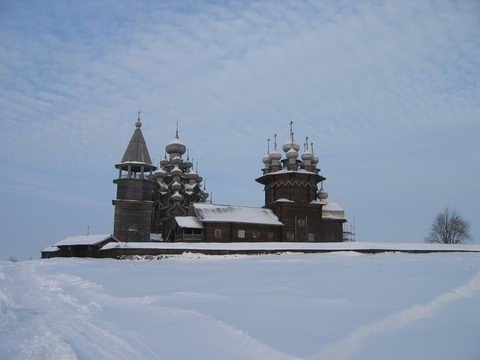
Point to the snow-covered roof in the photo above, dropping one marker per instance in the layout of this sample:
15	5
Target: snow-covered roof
190	222
83	240
286	171
236	214
317	202
333	211
175	140
333	206
51	249
283	200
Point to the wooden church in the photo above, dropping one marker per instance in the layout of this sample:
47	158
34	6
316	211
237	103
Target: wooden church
170	204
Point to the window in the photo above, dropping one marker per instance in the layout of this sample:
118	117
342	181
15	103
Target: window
270	235
218	233
255	235
290	236
241	234
301	222
311	236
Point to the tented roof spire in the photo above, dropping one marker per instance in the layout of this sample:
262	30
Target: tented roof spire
137	148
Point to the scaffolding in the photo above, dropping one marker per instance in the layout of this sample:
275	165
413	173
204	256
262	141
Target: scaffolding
349	231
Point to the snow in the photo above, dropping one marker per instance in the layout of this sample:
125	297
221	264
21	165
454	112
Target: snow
283	200
298	306
286	171
333	206
156	237
333	210
175	141
237	214
296	246
133	162
51	249
83	240
190	222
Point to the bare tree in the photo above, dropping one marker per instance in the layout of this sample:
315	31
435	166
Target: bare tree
449	228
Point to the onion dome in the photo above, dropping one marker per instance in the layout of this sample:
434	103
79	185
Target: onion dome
188	164
138	123
266	159
275	155
322	195
160	173
177	160
307	155
315	159
175	146
176	186
176	197
176	171
292	153
290	145
192	174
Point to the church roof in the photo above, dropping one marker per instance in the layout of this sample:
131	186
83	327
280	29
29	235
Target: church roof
190	222
333	211
236	214
84	240
137	148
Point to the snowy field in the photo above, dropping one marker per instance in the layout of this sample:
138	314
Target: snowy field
293	306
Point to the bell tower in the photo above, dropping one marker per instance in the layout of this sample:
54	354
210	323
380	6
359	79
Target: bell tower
135	189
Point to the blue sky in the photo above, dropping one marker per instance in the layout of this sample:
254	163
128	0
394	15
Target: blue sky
388	91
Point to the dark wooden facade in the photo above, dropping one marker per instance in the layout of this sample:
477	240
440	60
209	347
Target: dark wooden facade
77	250
133	209
241	232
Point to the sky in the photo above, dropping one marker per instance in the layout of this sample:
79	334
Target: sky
389	92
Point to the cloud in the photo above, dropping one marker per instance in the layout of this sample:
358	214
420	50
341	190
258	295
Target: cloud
368	82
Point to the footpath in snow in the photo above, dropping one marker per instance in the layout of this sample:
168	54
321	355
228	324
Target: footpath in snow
296	306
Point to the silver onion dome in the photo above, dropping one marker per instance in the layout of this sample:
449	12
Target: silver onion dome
290	145
175	146
275	155
307	155
292	153
322	195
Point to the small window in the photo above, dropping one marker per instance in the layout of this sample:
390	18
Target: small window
256	235
301	222
218	233
311	236
241	234
270	235
290	236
